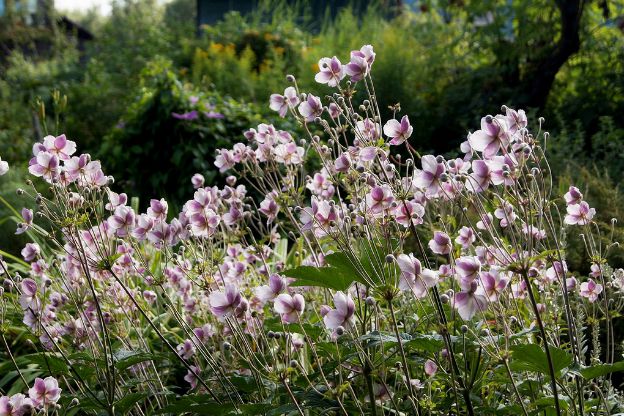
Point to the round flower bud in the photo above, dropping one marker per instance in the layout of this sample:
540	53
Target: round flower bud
444	298
290	78
389	258
340	331
464	329
294	364
227	346
370	301
489	119
440	159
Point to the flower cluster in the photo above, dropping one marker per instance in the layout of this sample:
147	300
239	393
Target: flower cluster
381	281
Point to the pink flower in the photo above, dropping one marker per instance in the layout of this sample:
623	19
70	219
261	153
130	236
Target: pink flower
361	63
28	297
486	222
27	216
469	302
492	136
116	200
480	177
398	131
60	146
533	231
413	278
158	209
505	213
289	154
16	405
343	314
334	110
269	207
281	103
191	378
466	237
409	211
330	72
440	243
191	115
204	224
431	368
429	177
30	251
197	180
368	130
573	196
45	165
45	391
269	292
320	185
596	270
590	290
343	162
319	217
379	199
143	226
516	120
493	283
225	160
122	221
467	269
289	307
579	214
571	283
311	108
186	350
223	304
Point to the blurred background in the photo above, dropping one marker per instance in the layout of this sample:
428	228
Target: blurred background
153	88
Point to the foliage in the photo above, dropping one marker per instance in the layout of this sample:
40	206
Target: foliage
149	135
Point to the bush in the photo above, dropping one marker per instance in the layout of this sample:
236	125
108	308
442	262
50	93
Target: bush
176	127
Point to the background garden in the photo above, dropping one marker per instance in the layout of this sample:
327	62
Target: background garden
153	94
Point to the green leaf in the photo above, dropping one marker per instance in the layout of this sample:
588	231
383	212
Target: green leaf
600	370
129	400
339	275
205	405
531	357
126	358
329	277
49	362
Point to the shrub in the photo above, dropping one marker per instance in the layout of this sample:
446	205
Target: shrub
176	127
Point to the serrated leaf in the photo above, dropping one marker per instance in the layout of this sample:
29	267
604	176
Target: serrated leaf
328	277
600	370
531	357
127	358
